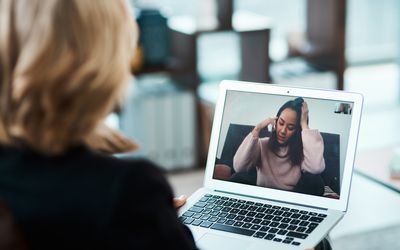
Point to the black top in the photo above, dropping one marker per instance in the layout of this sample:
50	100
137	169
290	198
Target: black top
85	200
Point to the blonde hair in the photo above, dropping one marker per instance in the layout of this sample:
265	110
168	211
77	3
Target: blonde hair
63	67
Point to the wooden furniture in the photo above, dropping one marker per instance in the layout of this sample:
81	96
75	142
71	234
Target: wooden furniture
324	43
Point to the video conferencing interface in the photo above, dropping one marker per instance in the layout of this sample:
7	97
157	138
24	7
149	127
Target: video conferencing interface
283	142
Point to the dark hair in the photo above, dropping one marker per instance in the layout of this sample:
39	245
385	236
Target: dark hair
295	143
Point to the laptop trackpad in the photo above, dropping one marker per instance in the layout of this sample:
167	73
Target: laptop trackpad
213	241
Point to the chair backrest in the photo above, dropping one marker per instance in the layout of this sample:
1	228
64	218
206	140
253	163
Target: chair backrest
331	175
10	236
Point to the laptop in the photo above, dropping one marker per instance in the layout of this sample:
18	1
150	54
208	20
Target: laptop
254	208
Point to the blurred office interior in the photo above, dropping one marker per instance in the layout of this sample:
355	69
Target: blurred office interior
188	46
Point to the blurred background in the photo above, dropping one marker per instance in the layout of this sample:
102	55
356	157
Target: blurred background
188	46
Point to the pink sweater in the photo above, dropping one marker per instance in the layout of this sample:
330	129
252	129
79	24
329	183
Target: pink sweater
278	172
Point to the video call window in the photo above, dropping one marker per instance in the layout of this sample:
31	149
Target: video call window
282	142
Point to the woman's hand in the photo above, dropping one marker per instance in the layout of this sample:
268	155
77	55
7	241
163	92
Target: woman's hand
179	201
265	123
304	116
108	140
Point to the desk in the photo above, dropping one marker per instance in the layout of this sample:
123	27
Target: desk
373	164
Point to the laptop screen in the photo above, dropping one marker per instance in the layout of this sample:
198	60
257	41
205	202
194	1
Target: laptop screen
283	142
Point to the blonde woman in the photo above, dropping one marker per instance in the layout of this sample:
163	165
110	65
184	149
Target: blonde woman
64	65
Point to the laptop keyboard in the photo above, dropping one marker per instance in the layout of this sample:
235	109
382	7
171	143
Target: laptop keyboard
259	220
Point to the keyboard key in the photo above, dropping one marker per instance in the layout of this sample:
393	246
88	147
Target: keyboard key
213	219
221	220
277	239
269	236
223	214
286	241
239	218
247	225
255	227
306	217
259	235
188	214
206	211
231	216
259	215
226	209
243	212
273	230
236	205
204	199
248	219
238	224
256	221
316	219
265	222
188	221
200	204
309	230
301	229
234	211
287	214
205	217
206	224
252	208
274	224
231	229
196	222
229	222
264	229
297	235
214	213
244	206
210	206
196	209
282	232
295	243
197	216
283	226
295	216
322	215
304	223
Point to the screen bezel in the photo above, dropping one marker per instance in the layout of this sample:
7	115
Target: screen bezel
275	194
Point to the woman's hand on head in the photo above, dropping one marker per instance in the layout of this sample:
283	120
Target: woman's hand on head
304	116
263	124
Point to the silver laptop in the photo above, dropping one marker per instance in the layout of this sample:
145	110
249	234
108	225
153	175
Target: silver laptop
256	195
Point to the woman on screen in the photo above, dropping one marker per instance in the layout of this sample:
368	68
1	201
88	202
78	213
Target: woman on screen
291	150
